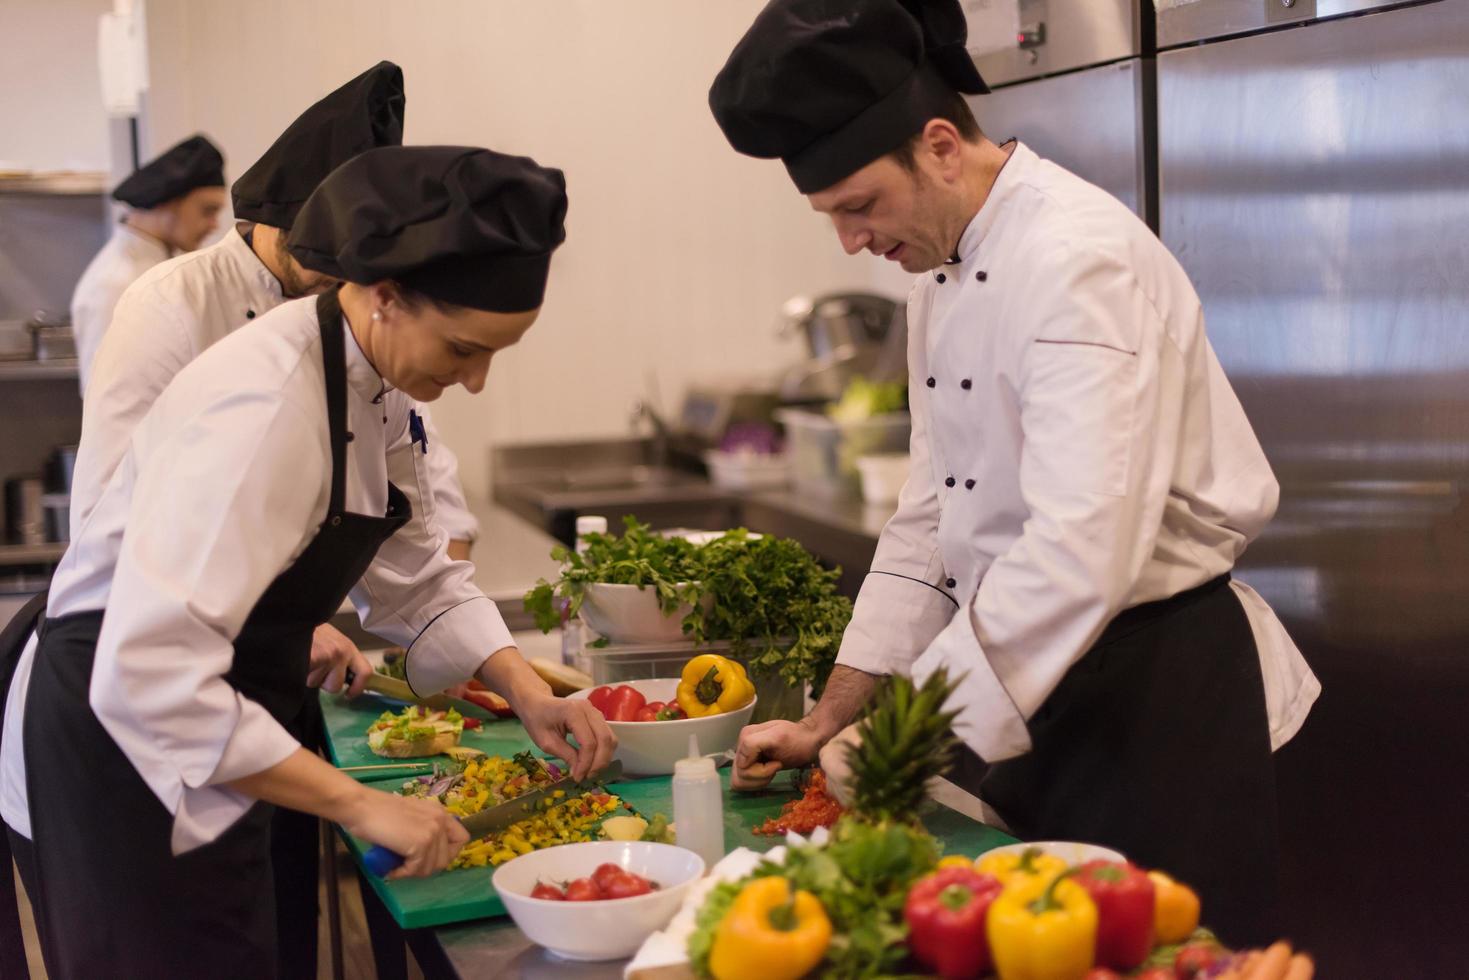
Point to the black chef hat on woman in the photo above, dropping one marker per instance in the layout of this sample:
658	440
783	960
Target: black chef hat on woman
364	113
462	225
828	86
195	162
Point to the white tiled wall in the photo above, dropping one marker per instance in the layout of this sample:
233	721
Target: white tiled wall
679	252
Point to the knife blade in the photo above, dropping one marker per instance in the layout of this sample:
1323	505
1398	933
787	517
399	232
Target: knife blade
380	860
391	687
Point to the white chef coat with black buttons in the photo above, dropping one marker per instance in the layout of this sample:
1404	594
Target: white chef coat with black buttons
172	315
127	255
1076	451
223	485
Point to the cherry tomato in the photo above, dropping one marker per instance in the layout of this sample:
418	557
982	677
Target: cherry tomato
628	885
649	711
549	892
584	890
605	873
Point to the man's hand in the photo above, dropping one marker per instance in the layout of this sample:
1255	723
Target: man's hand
332	655
766	749
548	720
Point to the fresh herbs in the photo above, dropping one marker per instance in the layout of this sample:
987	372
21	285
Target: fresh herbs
774	603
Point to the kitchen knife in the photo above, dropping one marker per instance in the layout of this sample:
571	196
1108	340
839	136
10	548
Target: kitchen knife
391	687
380	860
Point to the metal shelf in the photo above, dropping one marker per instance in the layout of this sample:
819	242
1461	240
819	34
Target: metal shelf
66	184
57	369
32	554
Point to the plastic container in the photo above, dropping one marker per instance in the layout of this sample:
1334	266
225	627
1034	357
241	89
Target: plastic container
824	452
57	508
883	476
698	805
573	636
748	470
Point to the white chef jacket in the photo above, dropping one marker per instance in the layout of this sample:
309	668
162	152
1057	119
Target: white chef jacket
222	486
1076	451
127	255
168	318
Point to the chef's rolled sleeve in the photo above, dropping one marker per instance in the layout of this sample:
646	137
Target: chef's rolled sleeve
414	594
903	604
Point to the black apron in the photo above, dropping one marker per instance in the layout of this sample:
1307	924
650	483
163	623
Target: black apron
1156	743
115	899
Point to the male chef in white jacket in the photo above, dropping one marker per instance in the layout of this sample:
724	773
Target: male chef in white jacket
1082	480
182	307
173	204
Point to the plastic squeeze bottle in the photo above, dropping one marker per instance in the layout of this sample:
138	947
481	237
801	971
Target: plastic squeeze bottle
698	805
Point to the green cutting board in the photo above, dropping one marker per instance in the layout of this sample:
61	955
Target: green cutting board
466	894
346	728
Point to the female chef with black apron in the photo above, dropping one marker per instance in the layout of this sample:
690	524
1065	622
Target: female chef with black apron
144	740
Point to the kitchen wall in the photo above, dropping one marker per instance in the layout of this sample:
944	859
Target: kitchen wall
51	114
679	251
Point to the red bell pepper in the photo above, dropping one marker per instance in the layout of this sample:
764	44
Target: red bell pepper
601	698
624	704
945	912
1123	894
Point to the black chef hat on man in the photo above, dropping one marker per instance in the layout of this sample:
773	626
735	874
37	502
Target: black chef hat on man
828	86
195	162
364	113
459	224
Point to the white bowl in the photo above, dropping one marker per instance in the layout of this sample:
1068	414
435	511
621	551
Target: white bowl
605	930
1070	851
650	748
629	614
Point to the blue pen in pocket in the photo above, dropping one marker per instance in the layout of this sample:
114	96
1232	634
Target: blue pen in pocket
416	430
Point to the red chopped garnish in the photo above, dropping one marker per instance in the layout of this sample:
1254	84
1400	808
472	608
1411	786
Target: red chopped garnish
816	808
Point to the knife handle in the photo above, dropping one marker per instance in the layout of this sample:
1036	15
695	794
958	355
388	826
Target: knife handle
381	861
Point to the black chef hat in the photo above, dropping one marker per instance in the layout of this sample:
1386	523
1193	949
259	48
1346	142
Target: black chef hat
195	162
366	112
462	225
828	86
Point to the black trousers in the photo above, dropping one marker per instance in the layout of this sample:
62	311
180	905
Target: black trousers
1156	743
295	857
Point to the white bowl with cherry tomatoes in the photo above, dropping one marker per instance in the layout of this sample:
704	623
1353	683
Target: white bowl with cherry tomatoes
650	748
602	913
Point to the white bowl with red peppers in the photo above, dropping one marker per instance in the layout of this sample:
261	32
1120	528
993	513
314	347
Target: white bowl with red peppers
650	748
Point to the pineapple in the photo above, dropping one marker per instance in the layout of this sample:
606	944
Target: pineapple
905	741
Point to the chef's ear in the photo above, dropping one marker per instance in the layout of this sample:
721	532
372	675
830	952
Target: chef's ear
386	298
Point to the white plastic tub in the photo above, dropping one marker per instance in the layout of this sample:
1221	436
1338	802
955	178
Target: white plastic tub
748	471
883	476
824	452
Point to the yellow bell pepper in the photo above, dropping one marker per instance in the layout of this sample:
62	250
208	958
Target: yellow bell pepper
1175	909
1029	863
955	861
770	934
1043	929
713	685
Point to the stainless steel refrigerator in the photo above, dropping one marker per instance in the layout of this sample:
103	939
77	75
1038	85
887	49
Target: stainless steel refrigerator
1314	182
1076	88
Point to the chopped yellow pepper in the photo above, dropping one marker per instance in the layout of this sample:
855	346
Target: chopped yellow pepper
1043	929
713	685
770	934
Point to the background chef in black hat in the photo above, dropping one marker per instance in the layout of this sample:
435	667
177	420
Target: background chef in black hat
182	307
1082	475
252	498
173	205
